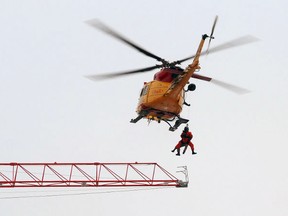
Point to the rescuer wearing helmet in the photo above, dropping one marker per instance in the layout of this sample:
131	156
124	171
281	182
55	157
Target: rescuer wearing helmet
186	138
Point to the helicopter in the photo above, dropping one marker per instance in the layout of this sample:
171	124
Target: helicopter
162	99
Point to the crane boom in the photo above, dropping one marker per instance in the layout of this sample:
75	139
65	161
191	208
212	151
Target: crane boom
85	175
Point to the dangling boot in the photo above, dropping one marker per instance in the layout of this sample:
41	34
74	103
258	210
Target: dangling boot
178	152
173	150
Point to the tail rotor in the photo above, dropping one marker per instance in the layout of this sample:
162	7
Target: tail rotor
212	33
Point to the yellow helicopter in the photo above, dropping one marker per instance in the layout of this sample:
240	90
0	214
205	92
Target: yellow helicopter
162	98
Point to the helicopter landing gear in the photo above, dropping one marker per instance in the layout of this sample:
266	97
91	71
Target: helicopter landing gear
178	122
136	119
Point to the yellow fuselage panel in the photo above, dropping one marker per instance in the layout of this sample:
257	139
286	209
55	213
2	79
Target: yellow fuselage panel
156	89
153	97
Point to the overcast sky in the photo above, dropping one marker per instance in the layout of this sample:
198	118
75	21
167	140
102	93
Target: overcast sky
50	112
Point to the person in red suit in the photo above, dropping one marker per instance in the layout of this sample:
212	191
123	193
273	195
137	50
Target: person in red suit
185	141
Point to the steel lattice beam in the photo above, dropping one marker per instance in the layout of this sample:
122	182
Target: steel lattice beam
85	175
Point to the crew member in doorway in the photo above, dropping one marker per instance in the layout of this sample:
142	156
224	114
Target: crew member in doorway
185	141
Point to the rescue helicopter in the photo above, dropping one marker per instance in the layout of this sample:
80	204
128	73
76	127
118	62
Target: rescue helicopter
162	99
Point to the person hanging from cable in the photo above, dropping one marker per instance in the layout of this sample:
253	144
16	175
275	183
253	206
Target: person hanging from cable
185	141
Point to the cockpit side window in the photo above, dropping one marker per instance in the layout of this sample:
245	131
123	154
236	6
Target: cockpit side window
144	90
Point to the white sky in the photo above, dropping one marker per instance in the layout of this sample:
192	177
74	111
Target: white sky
50	112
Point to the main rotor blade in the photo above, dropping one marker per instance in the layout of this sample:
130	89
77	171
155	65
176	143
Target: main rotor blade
227	86
99	25
230	87
125	73
230	44
200	77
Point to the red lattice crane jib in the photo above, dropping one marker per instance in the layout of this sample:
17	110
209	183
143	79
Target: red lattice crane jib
85	175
